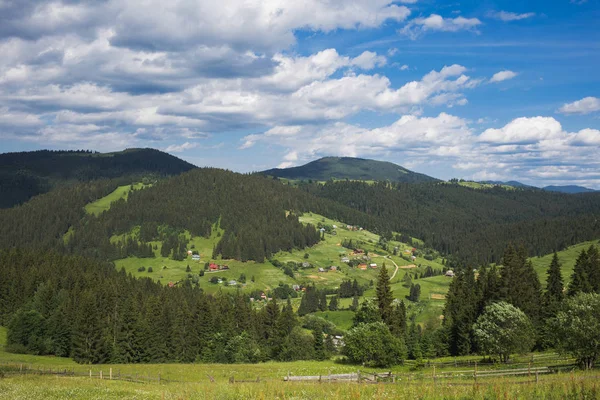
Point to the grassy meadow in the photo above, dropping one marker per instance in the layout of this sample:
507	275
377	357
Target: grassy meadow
103	204
265	276
566	258
212	381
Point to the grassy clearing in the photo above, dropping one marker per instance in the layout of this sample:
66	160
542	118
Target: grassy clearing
566	258
103	204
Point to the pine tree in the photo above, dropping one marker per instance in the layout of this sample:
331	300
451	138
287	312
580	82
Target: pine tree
384	295
580	281
333	304
554	286
520	283
88	345
354	305
322	300
398	320
319	345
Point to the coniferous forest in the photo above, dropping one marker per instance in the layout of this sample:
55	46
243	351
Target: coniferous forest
61	294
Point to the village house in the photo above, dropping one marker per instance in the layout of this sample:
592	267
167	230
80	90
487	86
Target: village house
189	252
450	273
345	260
362	266
224	266
321	270
196	257
305	264
213	267
373	265
232	283
333	268
296	287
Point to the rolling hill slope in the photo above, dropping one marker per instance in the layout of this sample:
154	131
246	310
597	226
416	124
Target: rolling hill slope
27	174
349	168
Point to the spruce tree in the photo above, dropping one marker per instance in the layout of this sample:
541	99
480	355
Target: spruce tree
398	321
88	345
554	284
333	304
384	295
319	346
520	283
354	305
580	281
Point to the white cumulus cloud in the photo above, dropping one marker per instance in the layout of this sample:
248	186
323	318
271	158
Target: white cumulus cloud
586	105
503	76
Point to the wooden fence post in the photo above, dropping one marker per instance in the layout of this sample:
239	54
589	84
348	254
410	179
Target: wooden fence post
100	374
475	374
90	373
159	378
110	374
434	374
358	376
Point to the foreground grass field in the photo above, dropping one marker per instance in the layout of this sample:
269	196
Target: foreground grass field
265	381
577	386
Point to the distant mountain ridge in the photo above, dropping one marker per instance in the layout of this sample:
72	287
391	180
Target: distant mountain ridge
27	174
516	184
350	168
571	189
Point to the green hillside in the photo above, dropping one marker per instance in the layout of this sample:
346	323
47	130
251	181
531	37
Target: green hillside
566	258
27	174
349	168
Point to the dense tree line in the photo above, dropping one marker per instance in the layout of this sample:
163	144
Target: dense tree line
73	306
27	174
515	283
472	225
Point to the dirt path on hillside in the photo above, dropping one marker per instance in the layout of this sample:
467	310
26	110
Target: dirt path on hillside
396	265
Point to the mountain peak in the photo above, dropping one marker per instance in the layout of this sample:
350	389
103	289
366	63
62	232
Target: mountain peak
349	168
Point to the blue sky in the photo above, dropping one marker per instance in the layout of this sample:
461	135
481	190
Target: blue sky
484	90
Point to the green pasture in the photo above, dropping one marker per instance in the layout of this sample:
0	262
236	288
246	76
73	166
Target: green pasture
103	204
566	258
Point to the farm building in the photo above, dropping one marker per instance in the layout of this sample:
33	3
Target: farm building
322	270
358	251
333	268
224	266
362	266
305	264
345	260
296	287
232	282
189	252
213	267
196	257
450	273
373	265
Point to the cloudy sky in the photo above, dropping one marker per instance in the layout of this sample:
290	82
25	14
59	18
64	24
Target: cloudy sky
471	89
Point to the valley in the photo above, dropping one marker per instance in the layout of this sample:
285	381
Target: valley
149	274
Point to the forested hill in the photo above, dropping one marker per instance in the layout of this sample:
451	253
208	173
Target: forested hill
349	168
258	215
26	174
473	225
